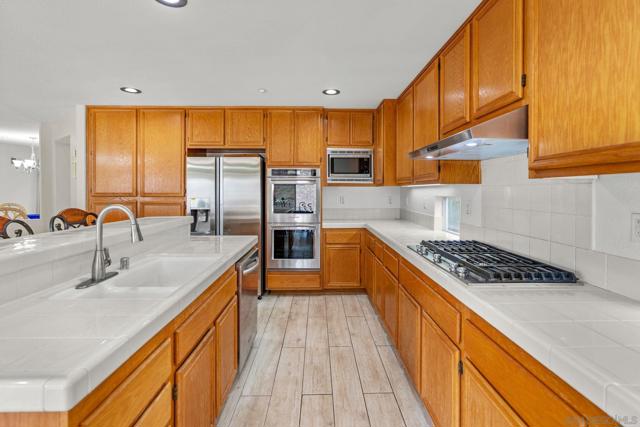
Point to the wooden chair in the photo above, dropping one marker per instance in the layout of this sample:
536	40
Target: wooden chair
13	211
13	228
72	218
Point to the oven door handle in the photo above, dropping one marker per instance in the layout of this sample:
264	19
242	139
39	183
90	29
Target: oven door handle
296	181
294	227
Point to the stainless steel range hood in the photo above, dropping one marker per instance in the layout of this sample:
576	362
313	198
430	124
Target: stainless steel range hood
502	136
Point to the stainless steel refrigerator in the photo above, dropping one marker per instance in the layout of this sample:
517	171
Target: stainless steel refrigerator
225	196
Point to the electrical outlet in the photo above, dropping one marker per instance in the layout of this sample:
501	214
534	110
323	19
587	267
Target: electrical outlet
467	208
635	227
389	200
340	200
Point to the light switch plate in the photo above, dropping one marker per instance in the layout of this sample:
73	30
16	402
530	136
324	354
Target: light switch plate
635	227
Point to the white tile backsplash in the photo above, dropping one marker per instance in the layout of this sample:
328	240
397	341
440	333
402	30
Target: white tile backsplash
563	229
591	266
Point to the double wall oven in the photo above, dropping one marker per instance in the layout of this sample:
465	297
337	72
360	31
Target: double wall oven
293	219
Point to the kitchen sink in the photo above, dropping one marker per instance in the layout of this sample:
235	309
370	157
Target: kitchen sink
156	277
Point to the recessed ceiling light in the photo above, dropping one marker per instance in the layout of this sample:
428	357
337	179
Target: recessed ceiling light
429	157
262	90
130	90
471	144
173	3
331	92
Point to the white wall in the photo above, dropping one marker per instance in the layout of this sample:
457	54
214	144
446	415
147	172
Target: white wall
361	202
16	186
581	224
71	126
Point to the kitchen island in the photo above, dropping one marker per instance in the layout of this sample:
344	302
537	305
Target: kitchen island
586	336
66	352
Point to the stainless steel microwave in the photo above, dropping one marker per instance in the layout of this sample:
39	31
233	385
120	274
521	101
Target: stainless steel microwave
349	165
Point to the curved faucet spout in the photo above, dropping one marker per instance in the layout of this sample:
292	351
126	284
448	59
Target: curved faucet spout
101	258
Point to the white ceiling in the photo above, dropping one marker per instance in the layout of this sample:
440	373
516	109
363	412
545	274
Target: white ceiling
56	54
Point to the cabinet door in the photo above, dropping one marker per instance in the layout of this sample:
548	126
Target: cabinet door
583	117
391	304
97	204
205	128
409	334
440	382
161	152
368	272
455	75
404	138
482	405
308	138
227	351
280	134
342	266
425	126
378	285
362	128
168	206
195	380
244	128
497	55
378	148
111	151
338	128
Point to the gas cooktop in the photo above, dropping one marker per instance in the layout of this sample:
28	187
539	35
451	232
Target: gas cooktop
478	263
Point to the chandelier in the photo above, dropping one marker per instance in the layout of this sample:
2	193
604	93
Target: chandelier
27	165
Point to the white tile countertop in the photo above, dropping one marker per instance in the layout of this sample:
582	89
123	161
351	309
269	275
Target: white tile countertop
59	344
586	335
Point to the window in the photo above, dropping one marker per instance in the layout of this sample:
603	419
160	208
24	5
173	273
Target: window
451	215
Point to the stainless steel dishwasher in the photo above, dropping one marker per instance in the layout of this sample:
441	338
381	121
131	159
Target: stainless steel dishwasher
249	278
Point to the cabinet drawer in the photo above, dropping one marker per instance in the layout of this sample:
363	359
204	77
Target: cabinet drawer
159	411
524	392
390	260
443	313
200	321
378	250
125	404
347	236
293	281
370	241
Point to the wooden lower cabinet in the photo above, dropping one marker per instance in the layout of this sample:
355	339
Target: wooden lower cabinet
378	285
342	256
440	380
481	405
227	351
368	272
195	382
293	280
390	312
166	206
159	411
96	204
409	322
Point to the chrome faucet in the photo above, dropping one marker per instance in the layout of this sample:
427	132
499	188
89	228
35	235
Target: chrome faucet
101	258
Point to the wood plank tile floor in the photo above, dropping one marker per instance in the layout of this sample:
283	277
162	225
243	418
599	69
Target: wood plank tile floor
322	361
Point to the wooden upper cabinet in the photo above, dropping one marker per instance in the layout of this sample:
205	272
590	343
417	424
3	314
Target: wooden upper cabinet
244	128
111	151
338	128
308	137
425	122
404	138
583	115
455	76
498	43
362	128
440	382
195	382
481	405
280	137
205	128
384	149
161	152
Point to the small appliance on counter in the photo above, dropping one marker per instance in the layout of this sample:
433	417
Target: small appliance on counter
350	165
477	263
293	216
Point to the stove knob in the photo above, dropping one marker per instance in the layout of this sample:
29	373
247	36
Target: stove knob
461	271
437	258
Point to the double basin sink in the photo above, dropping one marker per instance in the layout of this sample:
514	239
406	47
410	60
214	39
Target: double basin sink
153	277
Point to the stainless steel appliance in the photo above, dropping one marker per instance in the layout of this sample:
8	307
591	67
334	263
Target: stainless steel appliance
225	195
293	215
349	165
293	196
505	135
478	263
249	279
